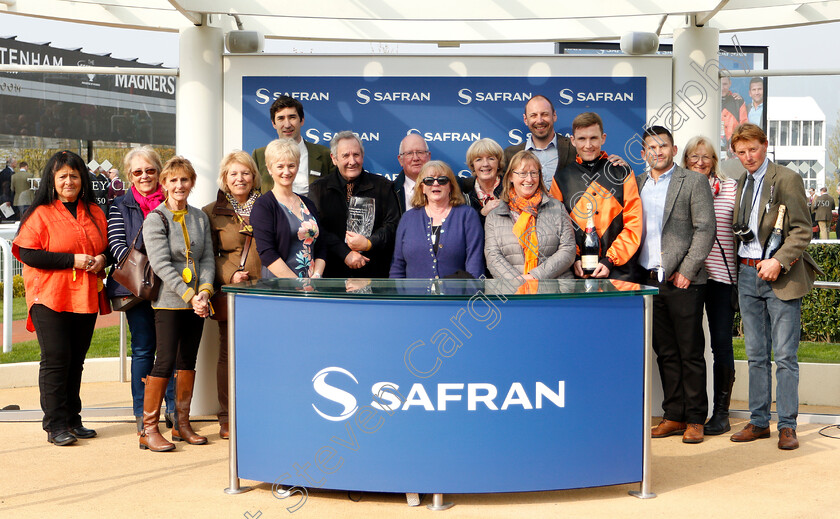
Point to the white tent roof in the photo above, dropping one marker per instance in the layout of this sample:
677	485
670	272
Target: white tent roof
437	21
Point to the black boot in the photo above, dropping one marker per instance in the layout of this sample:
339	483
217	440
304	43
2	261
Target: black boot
724	378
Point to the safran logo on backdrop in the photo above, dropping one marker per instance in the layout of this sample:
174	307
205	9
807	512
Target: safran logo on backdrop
446	136
264	96
387	397
466	96
315	135
567	96
364	96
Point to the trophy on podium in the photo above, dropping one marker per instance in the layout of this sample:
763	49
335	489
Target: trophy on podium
360	215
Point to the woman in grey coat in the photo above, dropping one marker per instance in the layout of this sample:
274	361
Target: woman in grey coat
180	249
529	235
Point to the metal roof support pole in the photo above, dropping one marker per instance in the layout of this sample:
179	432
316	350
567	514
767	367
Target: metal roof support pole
696	85
198	133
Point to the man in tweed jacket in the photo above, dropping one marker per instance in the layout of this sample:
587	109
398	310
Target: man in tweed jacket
678	233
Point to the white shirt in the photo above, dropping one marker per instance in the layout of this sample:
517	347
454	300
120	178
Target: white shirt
408	188
301	183
548	158
755	248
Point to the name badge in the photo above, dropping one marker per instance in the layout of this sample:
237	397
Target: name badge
315	173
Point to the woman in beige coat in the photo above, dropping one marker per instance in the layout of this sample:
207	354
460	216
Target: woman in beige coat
239	187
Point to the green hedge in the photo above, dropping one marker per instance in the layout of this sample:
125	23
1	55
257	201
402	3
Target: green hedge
18	289
821	307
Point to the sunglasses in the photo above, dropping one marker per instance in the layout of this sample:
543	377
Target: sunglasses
441	181
148	171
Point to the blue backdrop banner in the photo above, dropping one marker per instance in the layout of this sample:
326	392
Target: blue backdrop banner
439	396
449	112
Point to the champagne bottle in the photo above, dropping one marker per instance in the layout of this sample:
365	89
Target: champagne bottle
775	240
590	253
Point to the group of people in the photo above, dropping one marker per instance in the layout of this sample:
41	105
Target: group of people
528	213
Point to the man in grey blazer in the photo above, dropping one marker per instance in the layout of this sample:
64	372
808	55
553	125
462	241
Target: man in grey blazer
770	290
315	162
678	233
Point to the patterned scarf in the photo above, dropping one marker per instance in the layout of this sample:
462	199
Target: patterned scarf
243	210
714	183
525	227
148	203
485	197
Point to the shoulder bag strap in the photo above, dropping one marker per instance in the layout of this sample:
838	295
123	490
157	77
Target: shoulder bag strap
726	263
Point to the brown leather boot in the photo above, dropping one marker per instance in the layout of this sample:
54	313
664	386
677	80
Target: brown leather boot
150	437
182	431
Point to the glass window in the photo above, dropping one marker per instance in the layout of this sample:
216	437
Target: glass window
806	133
818	133
771	134
784	129
794	133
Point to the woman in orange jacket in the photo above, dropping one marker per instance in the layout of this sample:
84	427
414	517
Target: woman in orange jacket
61	243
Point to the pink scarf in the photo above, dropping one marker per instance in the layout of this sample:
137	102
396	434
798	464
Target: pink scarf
148	203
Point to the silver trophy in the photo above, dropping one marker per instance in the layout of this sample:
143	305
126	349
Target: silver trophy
360	215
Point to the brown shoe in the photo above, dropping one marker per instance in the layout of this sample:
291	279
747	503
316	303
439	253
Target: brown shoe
750	433
224	430
787	439
667	428
693	433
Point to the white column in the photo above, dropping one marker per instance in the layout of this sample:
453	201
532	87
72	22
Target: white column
696	94
198	133
696	99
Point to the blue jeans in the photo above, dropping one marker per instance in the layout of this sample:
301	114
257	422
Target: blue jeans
770	323
141	322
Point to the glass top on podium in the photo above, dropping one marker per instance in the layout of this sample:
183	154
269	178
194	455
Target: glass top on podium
443	289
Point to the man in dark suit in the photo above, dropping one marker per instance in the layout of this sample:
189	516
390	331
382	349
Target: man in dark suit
351	254
554	151
678	233
287	118
413	155
770	290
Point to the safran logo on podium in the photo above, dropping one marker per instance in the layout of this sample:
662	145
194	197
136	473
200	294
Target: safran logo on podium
364	96
387	397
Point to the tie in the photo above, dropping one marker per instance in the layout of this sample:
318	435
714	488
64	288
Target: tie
746	201
349	191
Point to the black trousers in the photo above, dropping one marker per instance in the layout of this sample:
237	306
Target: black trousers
679	345
178	337
64	338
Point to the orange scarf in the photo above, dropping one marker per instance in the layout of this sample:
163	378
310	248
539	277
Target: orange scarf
525	227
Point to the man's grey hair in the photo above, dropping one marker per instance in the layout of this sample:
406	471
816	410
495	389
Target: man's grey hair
404	138
340	136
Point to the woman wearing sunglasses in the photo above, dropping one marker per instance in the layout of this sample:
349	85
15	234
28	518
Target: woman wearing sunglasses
529	235
125	220
440	235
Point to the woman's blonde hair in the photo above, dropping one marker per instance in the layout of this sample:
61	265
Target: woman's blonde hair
692	146
177	164
279	148
483	147
515	162
146	152
237	157
429	169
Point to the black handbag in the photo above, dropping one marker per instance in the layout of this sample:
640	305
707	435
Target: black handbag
135	273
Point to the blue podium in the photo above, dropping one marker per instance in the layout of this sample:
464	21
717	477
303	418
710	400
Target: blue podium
439	386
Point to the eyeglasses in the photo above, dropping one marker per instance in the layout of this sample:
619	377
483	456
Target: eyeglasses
414	153
698	158
441	181
148	171
526	174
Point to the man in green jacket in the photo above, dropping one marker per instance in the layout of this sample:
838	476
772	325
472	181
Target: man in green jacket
287	118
